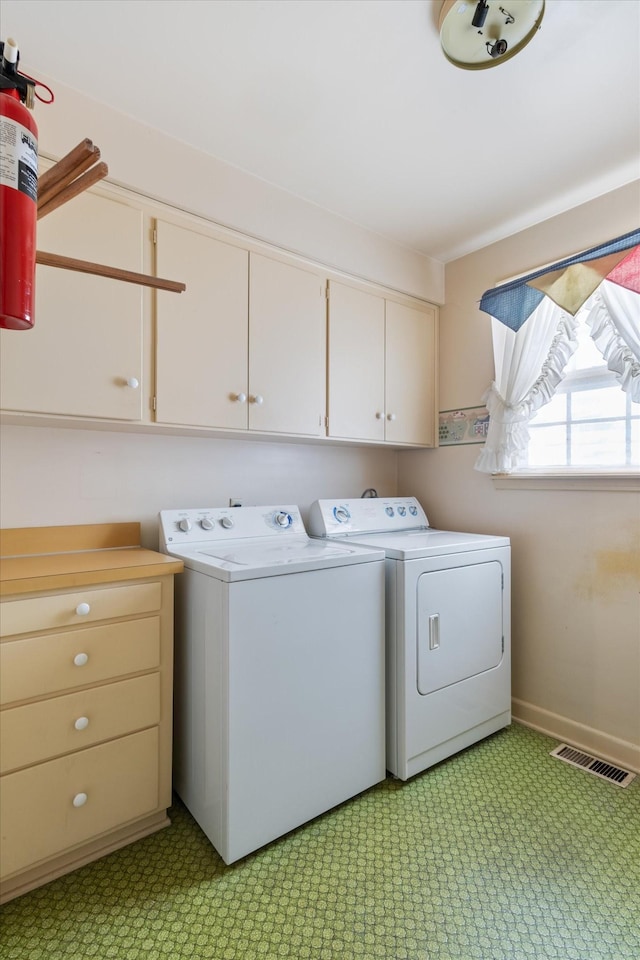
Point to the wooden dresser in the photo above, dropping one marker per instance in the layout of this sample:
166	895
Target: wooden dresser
86	679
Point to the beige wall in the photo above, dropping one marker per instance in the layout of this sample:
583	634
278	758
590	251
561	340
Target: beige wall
63	476
575	554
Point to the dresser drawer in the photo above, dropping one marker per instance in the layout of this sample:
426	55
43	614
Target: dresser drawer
71	609
39	666
38	818
50	728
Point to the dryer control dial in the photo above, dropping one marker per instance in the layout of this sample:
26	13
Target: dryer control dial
341	514
207	523
184	525
227	522
283	519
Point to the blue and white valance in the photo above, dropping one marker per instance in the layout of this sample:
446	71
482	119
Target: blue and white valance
534	336
568	283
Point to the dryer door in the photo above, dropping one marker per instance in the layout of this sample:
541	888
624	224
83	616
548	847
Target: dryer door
459	624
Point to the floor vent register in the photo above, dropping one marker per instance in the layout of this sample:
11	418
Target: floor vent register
599	768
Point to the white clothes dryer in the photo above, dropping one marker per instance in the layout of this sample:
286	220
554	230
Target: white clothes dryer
279	697
448	614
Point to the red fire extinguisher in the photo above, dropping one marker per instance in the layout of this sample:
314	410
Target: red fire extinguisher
18	193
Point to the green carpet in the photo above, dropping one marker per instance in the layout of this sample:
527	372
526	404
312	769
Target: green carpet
500	853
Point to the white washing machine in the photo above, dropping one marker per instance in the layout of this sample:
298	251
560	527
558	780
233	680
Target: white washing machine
448	616
279	698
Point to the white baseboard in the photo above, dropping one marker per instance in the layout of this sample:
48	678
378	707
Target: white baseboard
621	752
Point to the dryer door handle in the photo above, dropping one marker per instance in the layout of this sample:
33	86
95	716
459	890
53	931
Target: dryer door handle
434	631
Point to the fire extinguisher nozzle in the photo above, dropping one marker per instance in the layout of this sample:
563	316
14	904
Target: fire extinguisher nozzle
10	53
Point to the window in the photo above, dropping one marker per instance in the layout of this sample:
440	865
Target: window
566	348
590	422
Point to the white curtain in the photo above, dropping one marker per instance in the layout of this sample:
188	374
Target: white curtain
614	320
529	365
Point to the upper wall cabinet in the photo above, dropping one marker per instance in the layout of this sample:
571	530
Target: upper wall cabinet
83	357
410	374
287	348
382	368
244	346
202	334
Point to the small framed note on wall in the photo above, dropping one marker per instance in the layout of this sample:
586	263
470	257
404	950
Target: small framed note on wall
465	425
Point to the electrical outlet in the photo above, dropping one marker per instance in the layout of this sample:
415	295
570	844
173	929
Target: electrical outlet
235	502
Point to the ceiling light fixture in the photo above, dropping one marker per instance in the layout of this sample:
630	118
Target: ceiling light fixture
475	35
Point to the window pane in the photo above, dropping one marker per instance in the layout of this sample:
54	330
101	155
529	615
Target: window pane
590	404
547	446
552	412
560	434
586	354
598	444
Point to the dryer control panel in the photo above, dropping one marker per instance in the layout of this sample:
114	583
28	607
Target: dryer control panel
342	518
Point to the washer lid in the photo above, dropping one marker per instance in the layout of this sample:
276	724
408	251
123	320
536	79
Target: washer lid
272	556
415	544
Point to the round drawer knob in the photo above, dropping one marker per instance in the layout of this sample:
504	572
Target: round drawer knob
81	723
133	382
80	799
83	609
80	659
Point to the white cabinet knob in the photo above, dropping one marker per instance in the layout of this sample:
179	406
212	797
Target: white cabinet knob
81	723
133	382
391	416
257	399
240	398
380	415
80	659
80	799
83	609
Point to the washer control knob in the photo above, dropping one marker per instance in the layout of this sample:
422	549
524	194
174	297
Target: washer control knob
341	514
227	522
283	519
184	525
207	523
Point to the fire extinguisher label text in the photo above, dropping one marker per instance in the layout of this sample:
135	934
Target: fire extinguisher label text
18	158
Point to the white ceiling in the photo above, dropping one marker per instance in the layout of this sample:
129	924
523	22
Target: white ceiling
350	103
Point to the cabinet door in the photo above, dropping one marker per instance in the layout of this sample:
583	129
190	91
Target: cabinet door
287	348
201	334
356	363
410	375
86	344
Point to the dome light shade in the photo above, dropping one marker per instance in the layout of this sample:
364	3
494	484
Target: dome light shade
476	34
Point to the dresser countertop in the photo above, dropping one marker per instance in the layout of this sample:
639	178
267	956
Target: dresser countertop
35	559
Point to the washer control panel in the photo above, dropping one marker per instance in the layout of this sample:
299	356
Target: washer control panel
207	524
335	518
